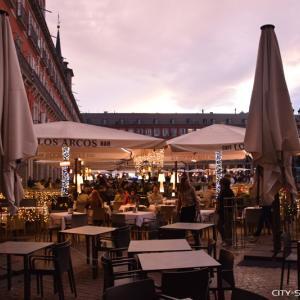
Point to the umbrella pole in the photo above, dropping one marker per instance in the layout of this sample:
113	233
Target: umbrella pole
276	225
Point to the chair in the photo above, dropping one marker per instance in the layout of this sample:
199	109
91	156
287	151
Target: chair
61	263
117	220
119	242
99	216
166	234
137	290
186	284
79	220
112	277
288	256
226	259
240	294
167	213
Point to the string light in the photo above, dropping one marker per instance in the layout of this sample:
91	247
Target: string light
219	170
148	162
65	176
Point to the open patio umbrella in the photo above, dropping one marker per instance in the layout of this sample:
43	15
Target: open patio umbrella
17	138
271	134
217	137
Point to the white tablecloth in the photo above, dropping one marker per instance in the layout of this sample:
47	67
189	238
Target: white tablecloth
62	218
138	217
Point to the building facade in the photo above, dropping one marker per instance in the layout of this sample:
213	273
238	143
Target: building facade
166	125
47	78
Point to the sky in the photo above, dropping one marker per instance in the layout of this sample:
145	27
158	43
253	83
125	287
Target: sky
172	55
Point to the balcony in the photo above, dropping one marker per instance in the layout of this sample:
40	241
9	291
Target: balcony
33	37
22	15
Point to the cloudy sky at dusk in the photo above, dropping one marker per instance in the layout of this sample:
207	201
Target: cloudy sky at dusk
172	55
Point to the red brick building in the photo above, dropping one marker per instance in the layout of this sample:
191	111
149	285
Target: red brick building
46	75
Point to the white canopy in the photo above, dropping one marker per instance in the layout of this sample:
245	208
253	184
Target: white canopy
211	138
80	135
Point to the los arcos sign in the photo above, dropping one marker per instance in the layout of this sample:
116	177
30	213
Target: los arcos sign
80	143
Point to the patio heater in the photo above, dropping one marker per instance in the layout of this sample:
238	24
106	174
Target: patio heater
161	180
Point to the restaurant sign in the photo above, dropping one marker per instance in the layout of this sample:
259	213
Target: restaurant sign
74	142
233	147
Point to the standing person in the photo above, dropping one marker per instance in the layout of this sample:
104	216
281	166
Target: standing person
188	205
225	192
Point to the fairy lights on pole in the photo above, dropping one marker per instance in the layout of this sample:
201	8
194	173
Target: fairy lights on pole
219	170
65	176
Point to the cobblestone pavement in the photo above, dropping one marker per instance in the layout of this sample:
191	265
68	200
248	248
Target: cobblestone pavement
261	280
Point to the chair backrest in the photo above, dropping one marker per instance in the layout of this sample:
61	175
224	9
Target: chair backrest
98	214
62	254
137	290
116	206
187	283
121	237
28	203
226	259
79	220
238	294
166	234
286	243
118	220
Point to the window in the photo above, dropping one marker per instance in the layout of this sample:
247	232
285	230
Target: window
187	121
173	132
204	121
139	121
182	131
148	131
121	121
212	121
104	121
172	121
165	132
156	131
155	121
228	121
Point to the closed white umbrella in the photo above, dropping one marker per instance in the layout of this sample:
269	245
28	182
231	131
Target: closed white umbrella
271	134
17	138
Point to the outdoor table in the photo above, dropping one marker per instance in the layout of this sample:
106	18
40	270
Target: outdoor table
24	249
142	246
91	233
161	261
62	218
138	216
129	207
193	227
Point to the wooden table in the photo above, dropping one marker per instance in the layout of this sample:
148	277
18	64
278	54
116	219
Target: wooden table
24	249
142	246
91	233
193	227
179	260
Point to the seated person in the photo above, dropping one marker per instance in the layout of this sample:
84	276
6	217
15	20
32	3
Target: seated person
95	200
134	197
155	197
82	200
208	196
119	196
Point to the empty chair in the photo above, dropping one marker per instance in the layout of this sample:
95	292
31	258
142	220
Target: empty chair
61	263
118	220
226	259
119	242
113	276
166	234
239	294
186	284
79	220
137	290
288	256
98	216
